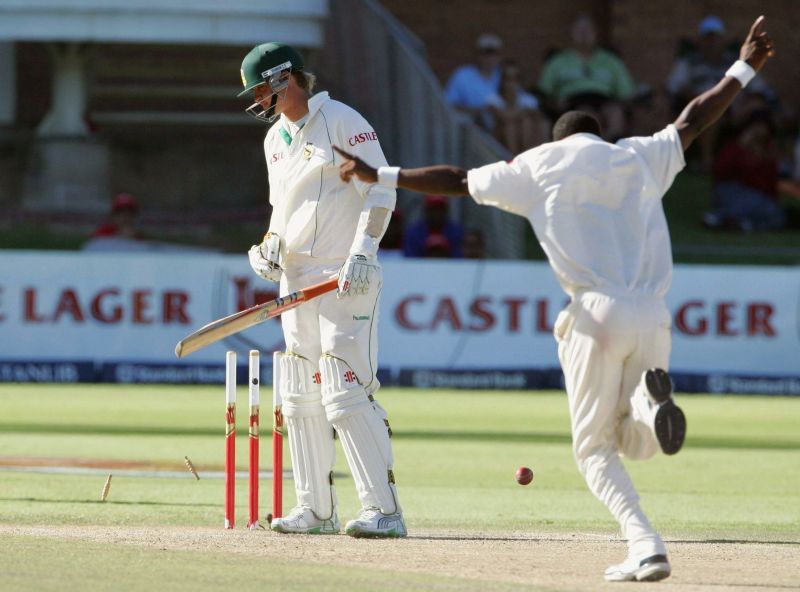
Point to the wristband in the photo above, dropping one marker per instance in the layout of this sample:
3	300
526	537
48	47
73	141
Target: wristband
387	176
741	71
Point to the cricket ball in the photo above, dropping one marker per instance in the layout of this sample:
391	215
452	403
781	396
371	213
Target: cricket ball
524	475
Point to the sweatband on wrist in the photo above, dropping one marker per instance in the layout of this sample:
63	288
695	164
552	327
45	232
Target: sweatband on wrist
741	71
387	176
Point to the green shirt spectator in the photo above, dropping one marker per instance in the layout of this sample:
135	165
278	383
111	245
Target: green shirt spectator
588	78
569	73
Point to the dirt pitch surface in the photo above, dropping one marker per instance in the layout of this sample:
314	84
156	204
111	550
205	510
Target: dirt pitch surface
545	561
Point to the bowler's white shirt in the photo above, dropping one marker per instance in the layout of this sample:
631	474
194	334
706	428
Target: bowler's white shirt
595	207
314	212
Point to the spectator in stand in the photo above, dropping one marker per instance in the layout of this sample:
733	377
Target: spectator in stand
121	222
435	221
473	245
746	180
120	231
586	75
701	65
516	113
437	246
471	85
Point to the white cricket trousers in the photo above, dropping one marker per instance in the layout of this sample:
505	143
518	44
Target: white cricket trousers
605	344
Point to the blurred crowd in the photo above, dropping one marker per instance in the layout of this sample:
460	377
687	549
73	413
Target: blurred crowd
752	155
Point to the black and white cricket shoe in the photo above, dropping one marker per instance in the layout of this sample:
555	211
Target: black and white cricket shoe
669	422
649	569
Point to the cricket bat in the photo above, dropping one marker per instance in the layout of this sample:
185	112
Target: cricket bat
247	318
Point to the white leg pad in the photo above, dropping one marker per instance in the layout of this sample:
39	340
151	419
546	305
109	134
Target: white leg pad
300	386
363	429
311	442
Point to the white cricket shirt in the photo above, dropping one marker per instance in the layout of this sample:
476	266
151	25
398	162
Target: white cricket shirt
595	207
313	210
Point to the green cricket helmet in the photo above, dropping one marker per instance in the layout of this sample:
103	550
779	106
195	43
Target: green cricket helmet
269	63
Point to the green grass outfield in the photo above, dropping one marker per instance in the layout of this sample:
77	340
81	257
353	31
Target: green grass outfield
737	478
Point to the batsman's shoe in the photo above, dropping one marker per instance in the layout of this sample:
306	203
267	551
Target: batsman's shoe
302	520
372	523
669	422
650	569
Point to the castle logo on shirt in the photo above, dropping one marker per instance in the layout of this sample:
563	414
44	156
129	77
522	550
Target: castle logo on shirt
363	137
308	151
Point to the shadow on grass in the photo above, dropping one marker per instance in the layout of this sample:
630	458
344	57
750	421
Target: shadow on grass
568	537
39	500
451	435
734	542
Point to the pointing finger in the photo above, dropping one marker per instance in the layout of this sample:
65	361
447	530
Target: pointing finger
757	27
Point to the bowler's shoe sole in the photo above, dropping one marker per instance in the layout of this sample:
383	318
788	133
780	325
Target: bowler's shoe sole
670	422
653	569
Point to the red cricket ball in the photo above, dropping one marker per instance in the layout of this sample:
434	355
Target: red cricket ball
524	475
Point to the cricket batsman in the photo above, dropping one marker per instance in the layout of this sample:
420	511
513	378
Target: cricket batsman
321	227
596	210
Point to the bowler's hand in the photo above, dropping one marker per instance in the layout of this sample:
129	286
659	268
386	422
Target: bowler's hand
758	47
354	166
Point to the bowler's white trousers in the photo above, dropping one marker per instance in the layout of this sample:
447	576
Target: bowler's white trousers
605	344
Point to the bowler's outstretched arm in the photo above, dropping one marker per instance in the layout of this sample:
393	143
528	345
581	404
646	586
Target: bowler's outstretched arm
704	110
437	180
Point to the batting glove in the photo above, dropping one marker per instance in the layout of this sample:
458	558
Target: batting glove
265	258
358	273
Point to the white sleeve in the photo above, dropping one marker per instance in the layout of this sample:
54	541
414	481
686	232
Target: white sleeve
662	154
508	186
276	217
357	137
